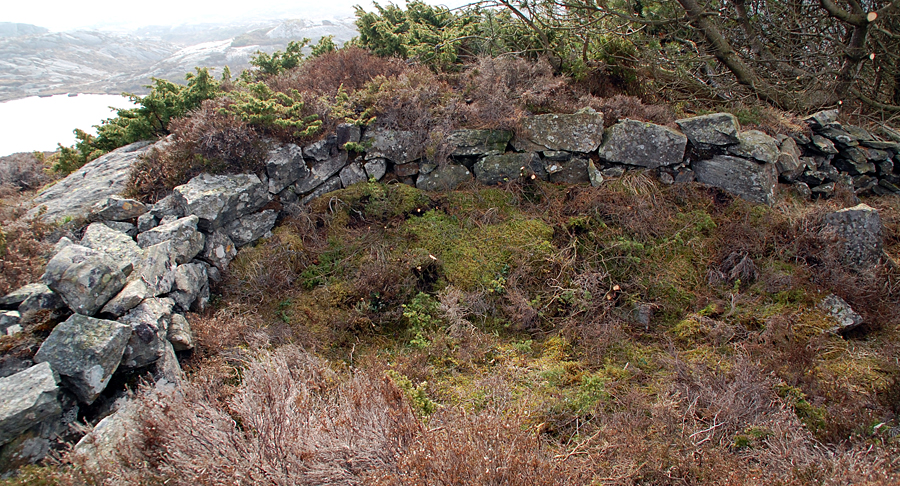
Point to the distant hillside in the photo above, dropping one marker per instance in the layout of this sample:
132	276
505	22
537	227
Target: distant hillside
12	29
104	62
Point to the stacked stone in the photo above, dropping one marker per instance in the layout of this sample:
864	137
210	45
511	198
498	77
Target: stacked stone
838	154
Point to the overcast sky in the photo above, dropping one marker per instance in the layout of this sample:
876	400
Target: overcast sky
60	15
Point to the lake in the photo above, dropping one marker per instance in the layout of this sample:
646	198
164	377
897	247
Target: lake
38	123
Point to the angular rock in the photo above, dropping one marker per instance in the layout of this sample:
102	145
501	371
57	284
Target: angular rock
118	245
97	180
841	312
85	352
614	171
251	227
444	178
220	199
745	178
180	334
42	298
406	170
594	174
322	150
578	132
146	221
825	190
122	227
823	145
376	168
714	129
352	174
468	143
332	184
219	250
16	297
572	171
320	173
85	279
400	147
102	445
149	322
186	240
859	231
9	319
167	206
29	397
347	132
803	190
684	176
167	369
642	144
285	166
881	145
756	145
821	119
838	136
155	276
190	279
116	208
495	169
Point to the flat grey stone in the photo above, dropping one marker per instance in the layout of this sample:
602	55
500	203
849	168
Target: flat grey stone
16	297
353	173
468	143
251	227
572	171
149	322
330	185
400	147
745	178
444	178
9	319
713	129
219	250
376	168
85	352
122	227
85	279
756	145
190	280
494	169
860	233
180	334
116	208
118	245
285	166
321	173
155	276
839	310
187	240
220	199
578	132
642	144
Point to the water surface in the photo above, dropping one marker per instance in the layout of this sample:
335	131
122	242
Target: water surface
37	123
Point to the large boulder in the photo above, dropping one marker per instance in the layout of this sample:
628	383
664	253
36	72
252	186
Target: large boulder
85	352
745	178
285	166
642	144
220	199
118	245
468	143
715	129
154	276
578	132
187	240
29	397
495	169
445	178
149	322
85	279
251	227
859	231
756	145
400	147
73	197
320	173
116	208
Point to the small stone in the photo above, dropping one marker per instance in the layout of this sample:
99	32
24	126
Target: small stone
149	322
614	171
117	245
841	312
146	222
251	227
445	178
756	145
642	144
219	250
180	334
594	174
376	168
9	319
116	208
187	240
352	174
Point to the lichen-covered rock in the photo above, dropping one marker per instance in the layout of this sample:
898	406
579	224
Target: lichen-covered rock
859	231
821	119
642	144
8	319
578	132
97	180
85	352
42	298
187	240
823	145
29	397
122	227
756	145
400	147
320	173
153	277
220	199
444	178
285	166
166	368
102	445
85	279
353	173
594	174
116	208
167	206
839	310
745	178
118	245
376	168
714	129
180	334
219	250
495	169
468	143
251	227
146	222
149	322
190	279
788	162
347	132
323	149
16	297
572	171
